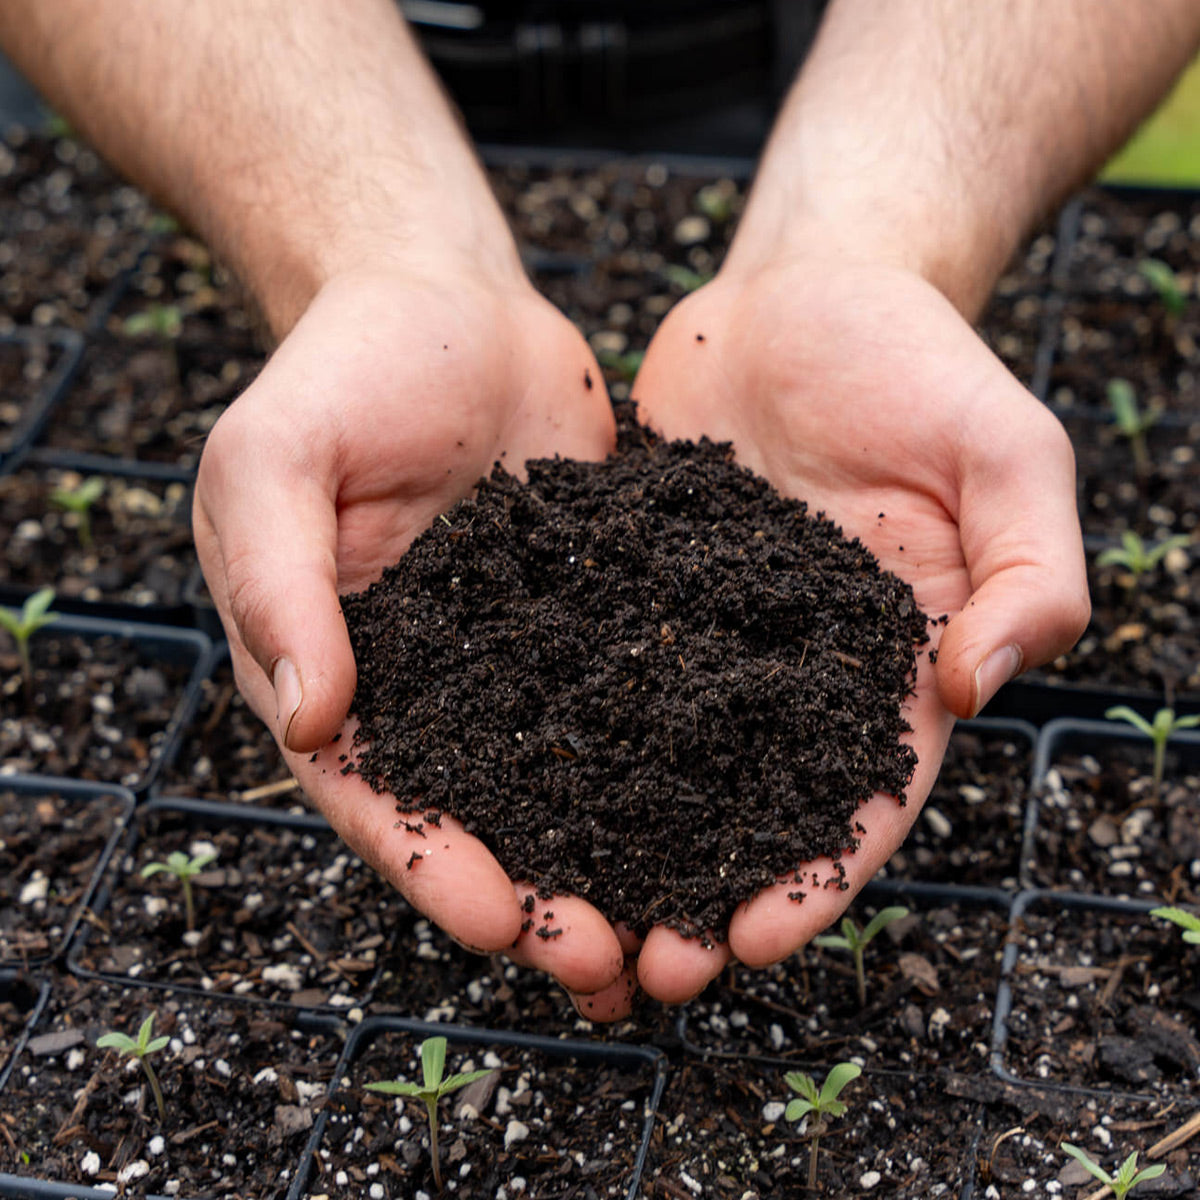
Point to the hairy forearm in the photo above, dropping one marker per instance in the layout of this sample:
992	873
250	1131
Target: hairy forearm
937	133
302	138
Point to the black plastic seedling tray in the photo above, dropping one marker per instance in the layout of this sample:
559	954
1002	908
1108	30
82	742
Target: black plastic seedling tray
641	1059
297	918
27	791
68	347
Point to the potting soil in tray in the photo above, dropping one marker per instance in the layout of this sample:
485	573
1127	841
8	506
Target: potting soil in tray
930	978
134	547
1101	829
569	1128
722	1135
652	682
50	845
970	828
1104	1000
99	709
281	913
241	1088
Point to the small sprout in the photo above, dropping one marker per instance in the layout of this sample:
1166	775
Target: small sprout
715	200
1188	922
185	868
433	1064
1127	1177
160	224
1131	422
159	320
1165	284
1159	731
23	625
57	127
1135	556
857	940
822	1103
79	500
684	277
140	1048
626	365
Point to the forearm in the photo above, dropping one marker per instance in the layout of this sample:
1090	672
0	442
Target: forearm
302	138
936	133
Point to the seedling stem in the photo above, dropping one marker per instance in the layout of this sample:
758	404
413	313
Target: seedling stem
1159	731
184	867
140	1048
433	1065
857	940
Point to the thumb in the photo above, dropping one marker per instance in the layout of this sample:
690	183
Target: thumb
266	534
1020	537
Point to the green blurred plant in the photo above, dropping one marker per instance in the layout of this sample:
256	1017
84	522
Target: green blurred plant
155	320
34	615
715	200
1131	421
185	868
431	1091
1135	556
79	500
1127	1177
141	1048
856	941
626	364
1189	923
1165	284
821	1103
1159	731
684	277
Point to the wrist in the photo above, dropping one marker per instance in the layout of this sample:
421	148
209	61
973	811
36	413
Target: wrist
803	210
437	227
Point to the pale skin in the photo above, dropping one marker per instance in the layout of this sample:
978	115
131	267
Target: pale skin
310	145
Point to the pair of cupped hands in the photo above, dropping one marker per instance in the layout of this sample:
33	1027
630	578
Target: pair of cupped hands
856	386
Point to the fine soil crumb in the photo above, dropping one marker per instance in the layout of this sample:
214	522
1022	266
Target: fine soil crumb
652	682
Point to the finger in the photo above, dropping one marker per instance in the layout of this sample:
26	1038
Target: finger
1020	536
567	938
673	969
443	871
773	924
267	527
612	1003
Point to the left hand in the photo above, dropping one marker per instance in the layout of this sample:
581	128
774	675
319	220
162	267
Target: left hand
860	389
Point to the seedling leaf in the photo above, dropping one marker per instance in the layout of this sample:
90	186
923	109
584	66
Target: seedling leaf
433	1061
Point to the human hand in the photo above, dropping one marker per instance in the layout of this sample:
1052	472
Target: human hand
859	388
385	403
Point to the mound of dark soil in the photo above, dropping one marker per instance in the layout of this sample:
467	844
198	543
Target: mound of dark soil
653	682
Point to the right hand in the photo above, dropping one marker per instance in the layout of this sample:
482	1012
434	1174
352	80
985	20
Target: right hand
389	398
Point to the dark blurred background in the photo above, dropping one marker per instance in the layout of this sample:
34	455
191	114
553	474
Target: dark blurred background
667	76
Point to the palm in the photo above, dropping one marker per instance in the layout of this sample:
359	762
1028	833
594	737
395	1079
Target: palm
860	390
383	406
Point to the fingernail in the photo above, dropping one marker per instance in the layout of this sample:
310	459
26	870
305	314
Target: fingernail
994	672
288	694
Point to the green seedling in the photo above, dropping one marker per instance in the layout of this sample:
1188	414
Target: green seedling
821	1103
140	1048
1135	556
79	500
1127	1177
433	1064
856	941
1131	421
1165	284
1189	923
1159	731
185	868
626	365
715	200
155	320
685	277
34	615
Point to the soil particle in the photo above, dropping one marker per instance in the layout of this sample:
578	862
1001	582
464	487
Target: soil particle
656	662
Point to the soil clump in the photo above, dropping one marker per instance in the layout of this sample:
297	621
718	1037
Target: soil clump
652	682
